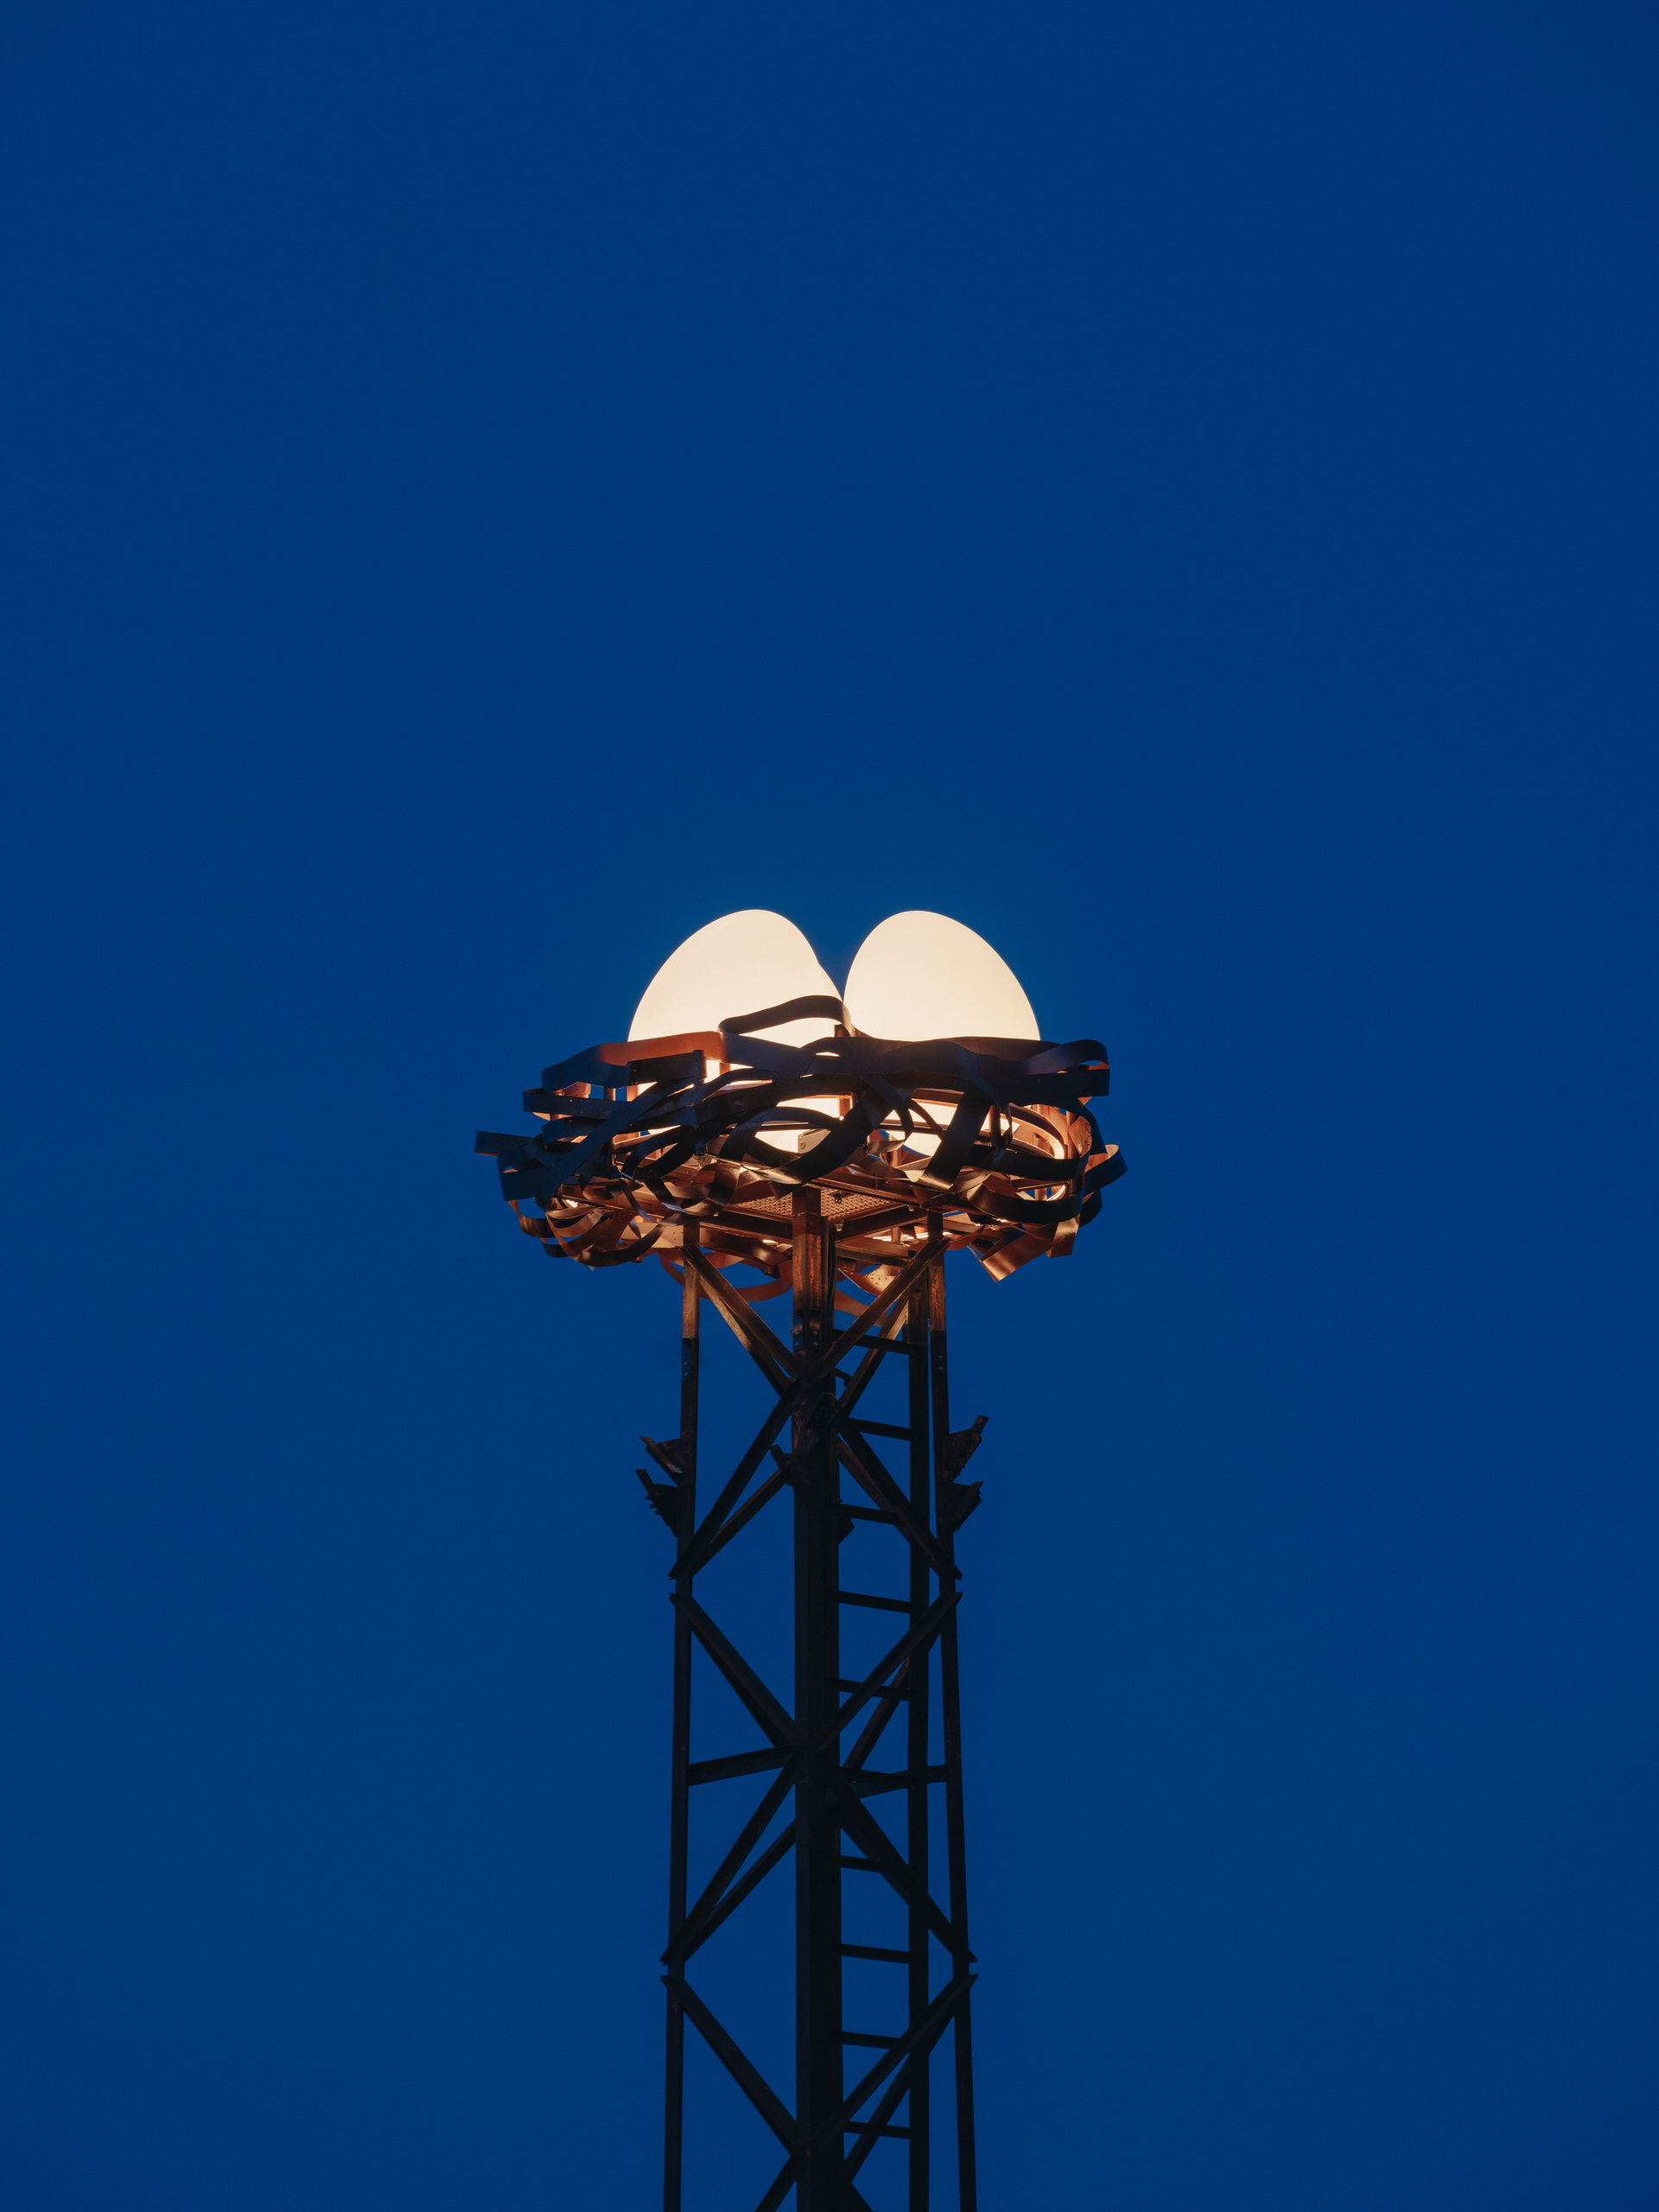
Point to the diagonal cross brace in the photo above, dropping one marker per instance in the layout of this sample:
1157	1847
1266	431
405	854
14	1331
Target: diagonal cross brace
717	1539
926	2033
874	1728
768	1350
793	1379
754	2085
882	1853
865	1372
770	1354
913	1643
719	1898
871	2128
927	2030
691	1932
877	1310
700	1926
714	1905
876	1483
850	2199
737	1672
701	1548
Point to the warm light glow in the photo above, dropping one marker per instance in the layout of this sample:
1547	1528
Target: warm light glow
735	966
916	975
919	975
914	1132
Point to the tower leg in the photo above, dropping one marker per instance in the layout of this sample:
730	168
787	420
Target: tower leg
817	1644
679	1805
951	1715
921	1594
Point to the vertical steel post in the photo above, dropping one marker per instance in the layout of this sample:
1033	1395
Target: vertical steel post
679	1801
817	1668
951	1715
918	1938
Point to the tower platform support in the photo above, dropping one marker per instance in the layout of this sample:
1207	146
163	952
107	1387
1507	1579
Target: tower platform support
858	2080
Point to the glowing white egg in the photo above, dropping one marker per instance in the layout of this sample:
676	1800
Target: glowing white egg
734	966
918	976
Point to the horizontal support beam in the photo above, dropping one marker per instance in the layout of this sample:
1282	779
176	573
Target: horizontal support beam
875	1951
878	1485
881	1605
728	1769
909	1647
870	1366
788	1373
919	2039
876	1312
861	1241
879	1848
881	1719
873	1785
753	1829
923	2035
892	2097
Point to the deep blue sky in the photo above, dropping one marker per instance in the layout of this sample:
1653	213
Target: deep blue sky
488	490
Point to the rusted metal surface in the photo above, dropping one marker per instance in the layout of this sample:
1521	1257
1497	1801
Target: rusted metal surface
993	1139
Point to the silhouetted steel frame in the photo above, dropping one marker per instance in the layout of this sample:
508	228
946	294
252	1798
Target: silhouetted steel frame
828	2134
667	1146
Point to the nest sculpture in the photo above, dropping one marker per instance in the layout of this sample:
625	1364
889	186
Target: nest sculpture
993	1135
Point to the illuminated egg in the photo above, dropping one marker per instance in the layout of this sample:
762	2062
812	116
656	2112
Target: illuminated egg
918	976
735	966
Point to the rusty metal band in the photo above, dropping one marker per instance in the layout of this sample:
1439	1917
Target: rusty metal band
641	1139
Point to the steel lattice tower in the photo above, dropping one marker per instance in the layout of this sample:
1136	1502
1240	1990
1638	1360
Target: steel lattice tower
648	1152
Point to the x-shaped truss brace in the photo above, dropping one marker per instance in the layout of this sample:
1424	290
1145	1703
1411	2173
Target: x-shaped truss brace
906	2048
797	1381
725	1891
807	1403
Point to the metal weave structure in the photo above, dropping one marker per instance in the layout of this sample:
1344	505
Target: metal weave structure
913	1150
